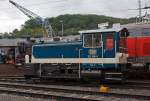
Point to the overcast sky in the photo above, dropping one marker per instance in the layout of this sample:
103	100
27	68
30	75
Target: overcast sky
11	17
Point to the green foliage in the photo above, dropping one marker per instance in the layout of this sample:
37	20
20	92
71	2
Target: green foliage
5	35
30	28
72	24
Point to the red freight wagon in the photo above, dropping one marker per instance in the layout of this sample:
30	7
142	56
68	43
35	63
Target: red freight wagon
138	46
138	43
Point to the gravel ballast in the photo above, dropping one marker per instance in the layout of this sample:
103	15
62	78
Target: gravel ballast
9	97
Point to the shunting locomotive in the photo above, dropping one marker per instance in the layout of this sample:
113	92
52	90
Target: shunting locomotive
99	53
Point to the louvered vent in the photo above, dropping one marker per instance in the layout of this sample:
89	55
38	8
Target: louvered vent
147	48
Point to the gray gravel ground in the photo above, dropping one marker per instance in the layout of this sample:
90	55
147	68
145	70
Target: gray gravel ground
8	97
131	91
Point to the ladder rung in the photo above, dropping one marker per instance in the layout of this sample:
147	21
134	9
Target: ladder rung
113	73
118	79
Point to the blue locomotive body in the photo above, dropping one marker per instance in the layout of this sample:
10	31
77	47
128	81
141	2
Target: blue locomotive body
98	50
57	50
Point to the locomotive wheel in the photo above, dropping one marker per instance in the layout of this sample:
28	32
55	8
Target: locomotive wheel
28	79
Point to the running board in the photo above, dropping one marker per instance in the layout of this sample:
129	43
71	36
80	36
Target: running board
115	79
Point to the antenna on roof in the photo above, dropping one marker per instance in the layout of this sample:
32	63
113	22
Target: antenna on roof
140	9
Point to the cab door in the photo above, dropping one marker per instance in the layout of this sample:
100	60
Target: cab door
109	45
91	45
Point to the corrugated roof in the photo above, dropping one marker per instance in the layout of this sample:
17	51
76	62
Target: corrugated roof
10	42
136	25
13	42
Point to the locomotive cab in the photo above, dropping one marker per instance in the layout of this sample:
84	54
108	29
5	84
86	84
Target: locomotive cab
107	49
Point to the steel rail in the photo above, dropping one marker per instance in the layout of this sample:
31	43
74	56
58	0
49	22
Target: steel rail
74	91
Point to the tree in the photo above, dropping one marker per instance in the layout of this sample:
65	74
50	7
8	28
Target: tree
72	24
6	35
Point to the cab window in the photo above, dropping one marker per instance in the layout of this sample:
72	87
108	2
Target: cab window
109	42
92	40
146	32
139	32
122	41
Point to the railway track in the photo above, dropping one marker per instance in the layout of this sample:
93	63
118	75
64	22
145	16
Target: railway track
12	79
134	84
70	92
138	82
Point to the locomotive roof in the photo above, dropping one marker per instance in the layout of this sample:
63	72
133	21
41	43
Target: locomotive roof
58	43
136	25
102	30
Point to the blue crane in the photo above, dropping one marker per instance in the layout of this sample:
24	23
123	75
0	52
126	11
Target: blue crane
42	21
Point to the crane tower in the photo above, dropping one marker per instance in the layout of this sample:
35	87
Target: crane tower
43	21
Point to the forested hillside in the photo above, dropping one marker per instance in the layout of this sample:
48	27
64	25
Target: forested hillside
72	24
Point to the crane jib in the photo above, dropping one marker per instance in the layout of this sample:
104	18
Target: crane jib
45	23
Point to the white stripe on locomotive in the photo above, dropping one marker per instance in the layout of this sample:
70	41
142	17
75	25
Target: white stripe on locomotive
119	58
